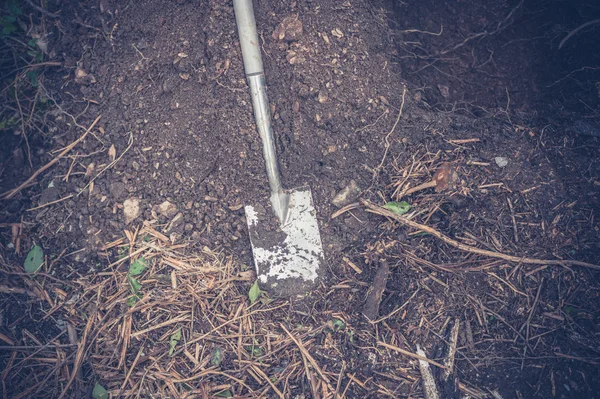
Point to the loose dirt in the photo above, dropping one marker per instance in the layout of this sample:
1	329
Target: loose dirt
375	93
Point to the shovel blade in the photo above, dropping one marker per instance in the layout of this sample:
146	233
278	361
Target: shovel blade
288	258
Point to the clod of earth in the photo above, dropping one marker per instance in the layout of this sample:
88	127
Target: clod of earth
347	195
83	78
167	209
131	209
290	29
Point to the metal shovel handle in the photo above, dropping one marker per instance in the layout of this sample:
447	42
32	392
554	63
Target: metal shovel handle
246	24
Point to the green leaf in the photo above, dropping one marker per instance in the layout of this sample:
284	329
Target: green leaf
134	284
34	259
399	208
7	27
216	356
32	75
99	392
224	394
254	292
255	351
138	267
14	9
132	300
338	324
175	338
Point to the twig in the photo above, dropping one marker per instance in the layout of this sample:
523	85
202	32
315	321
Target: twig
535	302
13	192
452	343
80	350
110	165
23	124
345	209
429	385
576	30
50	203
514	220
467	248
42	10
310	359
371	308
387	137
410	354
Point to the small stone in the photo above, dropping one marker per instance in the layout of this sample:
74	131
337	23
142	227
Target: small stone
83	78
337	33
346	195
501	161
136	165
167	209
322	97
131	209
444	91
175	223
189	227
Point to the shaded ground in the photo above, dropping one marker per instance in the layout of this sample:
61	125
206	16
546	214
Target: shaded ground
363	94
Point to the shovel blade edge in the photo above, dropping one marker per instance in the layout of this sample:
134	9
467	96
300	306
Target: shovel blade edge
289	259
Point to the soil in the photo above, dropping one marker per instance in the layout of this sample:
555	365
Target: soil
380	93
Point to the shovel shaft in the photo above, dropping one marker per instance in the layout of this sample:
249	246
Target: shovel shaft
246	24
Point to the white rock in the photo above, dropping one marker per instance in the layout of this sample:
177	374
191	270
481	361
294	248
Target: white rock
167	209
131	209
501	161
346	195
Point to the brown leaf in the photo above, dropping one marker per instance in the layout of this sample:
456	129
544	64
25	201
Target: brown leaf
445	177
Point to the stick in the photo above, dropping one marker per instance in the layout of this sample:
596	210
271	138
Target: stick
452	344
82	346
467	248
429	386
574	31
13	192
410	354
371	308
387	137
310	359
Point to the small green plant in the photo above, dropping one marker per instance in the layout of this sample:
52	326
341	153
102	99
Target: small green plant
254	292
34	259
174	340
135	269
399	208
216	357
99	392
8	22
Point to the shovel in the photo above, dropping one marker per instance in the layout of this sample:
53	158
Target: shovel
287	249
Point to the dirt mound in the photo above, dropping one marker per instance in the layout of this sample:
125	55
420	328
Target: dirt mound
359	106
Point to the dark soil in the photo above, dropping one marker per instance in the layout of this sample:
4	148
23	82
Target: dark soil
168	81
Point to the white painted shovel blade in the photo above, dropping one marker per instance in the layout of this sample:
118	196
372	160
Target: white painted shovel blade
288	262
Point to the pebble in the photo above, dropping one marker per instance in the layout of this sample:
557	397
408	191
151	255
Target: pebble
346	195
167	209
501	161
131	209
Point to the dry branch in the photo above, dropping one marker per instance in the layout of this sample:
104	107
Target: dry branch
14	191
467	248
